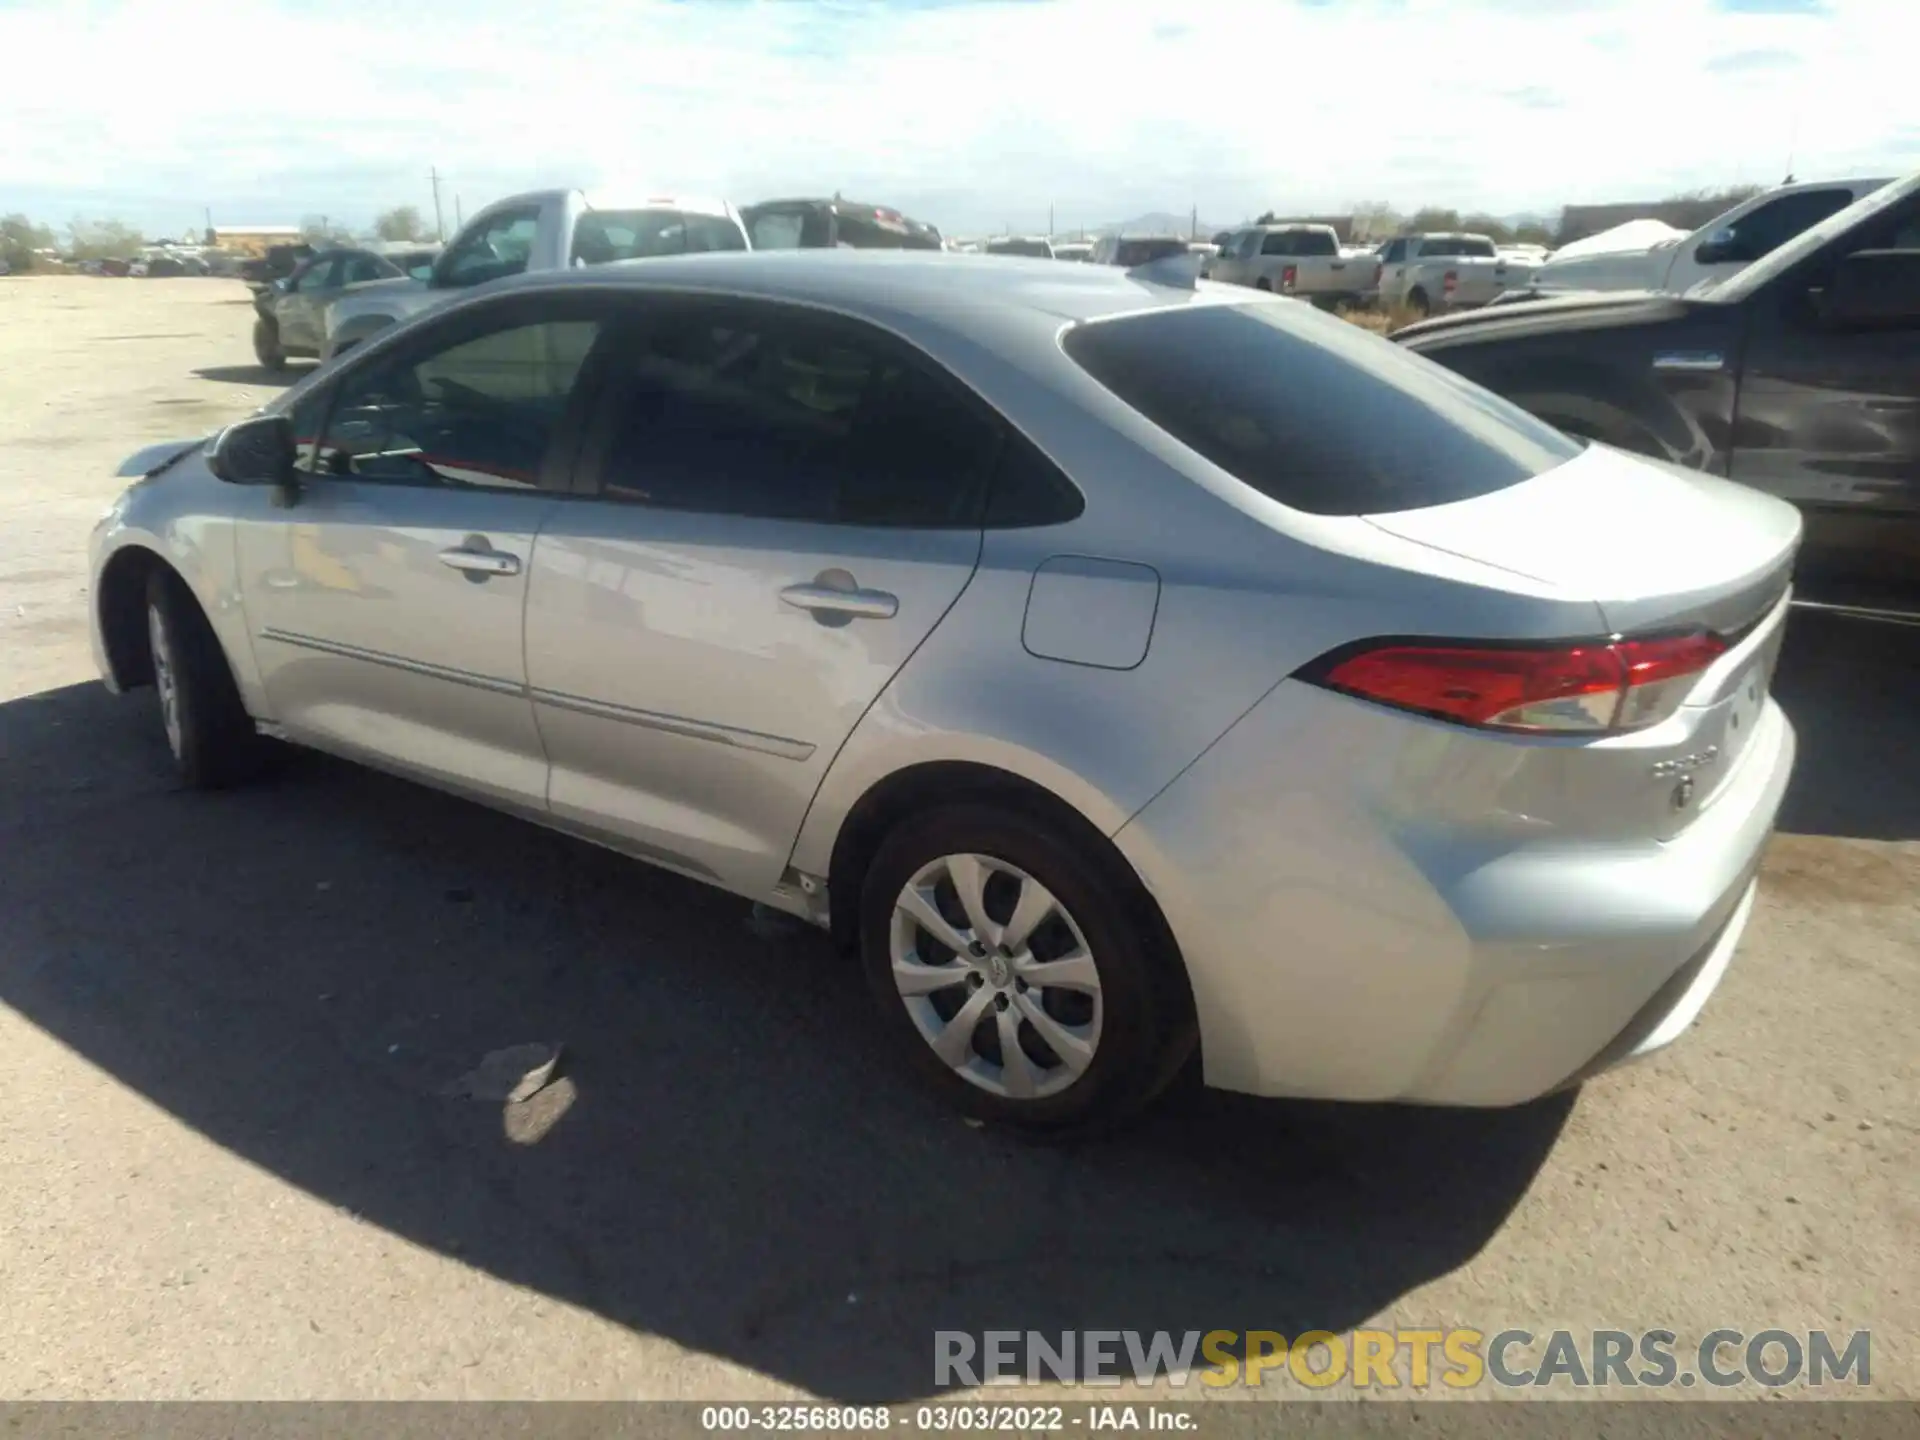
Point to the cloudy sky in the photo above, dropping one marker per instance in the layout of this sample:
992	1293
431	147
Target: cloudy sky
974	114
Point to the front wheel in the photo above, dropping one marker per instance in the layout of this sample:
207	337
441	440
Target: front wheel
1018	971
266	344
212	737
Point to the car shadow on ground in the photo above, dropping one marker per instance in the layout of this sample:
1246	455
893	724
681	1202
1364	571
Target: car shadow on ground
1852	689
731	1159
252	374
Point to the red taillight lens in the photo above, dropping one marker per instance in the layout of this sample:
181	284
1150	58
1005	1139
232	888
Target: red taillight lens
1451	282
1288	275
1601	686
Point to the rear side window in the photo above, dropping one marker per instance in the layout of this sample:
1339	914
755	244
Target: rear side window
1312	411
758	411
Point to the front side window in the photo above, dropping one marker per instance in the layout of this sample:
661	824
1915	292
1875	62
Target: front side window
764	412
479	413
361	268
1760	232
1396	252
499	248
1311	411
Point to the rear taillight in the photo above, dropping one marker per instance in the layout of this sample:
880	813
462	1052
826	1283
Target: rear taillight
1378	271
1595	687
1451	282
1288	275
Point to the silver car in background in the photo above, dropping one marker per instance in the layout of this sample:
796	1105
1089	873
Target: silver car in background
1117	664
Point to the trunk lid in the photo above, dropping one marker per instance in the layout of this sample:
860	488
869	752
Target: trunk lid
1657	547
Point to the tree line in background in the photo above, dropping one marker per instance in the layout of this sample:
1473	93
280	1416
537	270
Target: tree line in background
22	240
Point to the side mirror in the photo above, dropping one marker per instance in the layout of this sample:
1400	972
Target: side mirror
1874	288
1721	247
255	451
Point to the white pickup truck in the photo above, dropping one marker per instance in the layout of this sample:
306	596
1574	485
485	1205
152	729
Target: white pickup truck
1723	247
1293	258
542	230
1432	273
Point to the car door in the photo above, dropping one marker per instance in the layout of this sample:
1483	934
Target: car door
783	507
386	602
298	308
1829	418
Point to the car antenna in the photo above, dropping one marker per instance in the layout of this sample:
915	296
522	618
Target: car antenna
1179	271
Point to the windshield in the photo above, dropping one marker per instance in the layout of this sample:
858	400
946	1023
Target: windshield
1785	257
1313	412
603	236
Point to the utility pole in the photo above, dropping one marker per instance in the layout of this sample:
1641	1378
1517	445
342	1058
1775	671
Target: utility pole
1193	224
459	222
439	224
1049	221
209	229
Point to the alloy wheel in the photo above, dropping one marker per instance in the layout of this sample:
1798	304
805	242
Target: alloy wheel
164	683
996	976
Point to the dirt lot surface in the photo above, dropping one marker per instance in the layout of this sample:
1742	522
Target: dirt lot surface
225	1022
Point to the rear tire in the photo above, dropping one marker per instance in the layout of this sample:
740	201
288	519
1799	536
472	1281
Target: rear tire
1084	992
212	737
1263	284
266	344
1418	302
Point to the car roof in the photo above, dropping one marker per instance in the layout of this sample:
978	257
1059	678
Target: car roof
972	293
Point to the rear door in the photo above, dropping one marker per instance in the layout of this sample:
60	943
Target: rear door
781	508
298	309
1829	418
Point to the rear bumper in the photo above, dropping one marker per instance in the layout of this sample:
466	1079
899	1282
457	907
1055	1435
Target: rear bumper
1348	939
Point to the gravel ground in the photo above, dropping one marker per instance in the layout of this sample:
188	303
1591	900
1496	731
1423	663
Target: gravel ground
225	1024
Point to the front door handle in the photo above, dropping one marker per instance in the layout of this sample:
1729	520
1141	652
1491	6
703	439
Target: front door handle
849	600
475	561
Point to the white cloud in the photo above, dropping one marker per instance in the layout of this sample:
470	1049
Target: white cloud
974	114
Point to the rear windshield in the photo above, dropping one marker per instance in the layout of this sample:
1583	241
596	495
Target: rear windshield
1035	249
1314	412
1143	252
603	236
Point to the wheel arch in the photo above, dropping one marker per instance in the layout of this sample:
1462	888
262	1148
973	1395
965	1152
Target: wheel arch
120	612
918	787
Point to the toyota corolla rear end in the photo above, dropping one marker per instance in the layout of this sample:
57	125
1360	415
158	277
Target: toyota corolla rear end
1496	826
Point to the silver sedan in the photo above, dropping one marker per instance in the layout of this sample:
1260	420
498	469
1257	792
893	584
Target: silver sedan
1121	666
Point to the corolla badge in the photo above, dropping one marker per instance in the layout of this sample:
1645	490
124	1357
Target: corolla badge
1686	764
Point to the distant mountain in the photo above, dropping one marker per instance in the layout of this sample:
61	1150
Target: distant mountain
1540	219
1160	222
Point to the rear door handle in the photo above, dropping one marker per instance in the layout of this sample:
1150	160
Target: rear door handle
832	600
475	561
